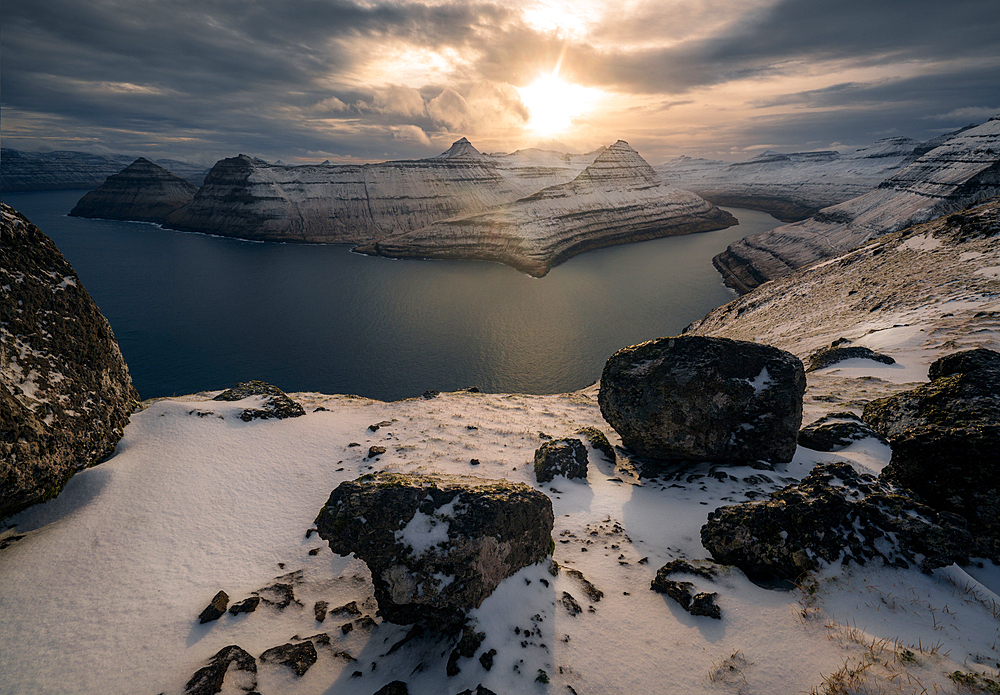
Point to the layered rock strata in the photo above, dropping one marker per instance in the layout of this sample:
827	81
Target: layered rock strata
65	391
960	172
143	191
617	199
796	185
251	199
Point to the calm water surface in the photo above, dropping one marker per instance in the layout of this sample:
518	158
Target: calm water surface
194	312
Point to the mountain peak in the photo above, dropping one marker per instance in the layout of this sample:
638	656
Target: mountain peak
461	149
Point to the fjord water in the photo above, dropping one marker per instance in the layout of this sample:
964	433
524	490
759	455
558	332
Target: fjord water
193	312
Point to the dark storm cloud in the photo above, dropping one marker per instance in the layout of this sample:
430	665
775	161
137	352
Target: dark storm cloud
783	37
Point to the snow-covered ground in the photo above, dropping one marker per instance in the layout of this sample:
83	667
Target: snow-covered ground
103	592
101	588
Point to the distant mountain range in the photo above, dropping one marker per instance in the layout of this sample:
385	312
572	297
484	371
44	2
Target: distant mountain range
529	209
797	185
69	170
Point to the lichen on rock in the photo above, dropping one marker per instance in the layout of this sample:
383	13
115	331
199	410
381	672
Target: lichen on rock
701	398
437	545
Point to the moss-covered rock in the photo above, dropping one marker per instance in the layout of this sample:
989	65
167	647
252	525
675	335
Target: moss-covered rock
835	431
835	514
65	391
437	545
945	439
565	457
709	399
274	404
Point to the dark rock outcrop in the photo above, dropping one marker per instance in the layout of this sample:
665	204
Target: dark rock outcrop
65	391
837	352
393	688
599	441
143	191
833	515
210	679
712	399
700	603
298	657
275	404
436	545
565	457
945	439
835	431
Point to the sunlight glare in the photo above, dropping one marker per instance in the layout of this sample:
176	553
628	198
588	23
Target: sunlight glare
554	104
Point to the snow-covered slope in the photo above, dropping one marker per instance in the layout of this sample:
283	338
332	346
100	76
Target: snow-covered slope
792	186
101	588
616	199
963	170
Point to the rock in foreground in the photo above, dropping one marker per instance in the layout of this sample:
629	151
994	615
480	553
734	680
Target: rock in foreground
834	515
274	403
66	392
711	399
437	545
945	439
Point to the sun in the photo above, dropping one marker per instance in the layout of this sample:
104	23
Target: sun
554	103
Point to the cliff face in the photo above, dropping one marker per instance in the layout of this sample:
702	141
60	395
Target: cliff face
252	199
963	170
65	392
143	191
792	186
67	170
617	199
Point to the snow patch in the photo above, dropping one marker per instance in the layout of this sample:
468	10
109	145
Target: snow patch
922	242
425	531
992	272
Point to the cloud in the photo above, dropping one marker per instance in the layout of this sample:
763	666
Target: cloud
409	132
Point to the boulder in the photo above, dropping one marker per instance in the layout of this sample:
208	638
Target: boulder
65	391
598	440
565	457
835	431
274	404
437	545
710	399
394	688
834	515
701	603
210	679
945	436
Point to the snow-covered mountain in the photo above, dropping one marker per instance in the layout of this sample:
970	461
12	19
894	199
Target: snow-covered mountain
616	199
68	170
143	191
251	199
959	172
792	186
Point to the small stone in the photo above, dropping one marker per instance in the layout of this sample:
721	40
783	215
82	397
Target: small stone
319	610
215	609
570	604
374	451
346	627
247	605
486	659
210	679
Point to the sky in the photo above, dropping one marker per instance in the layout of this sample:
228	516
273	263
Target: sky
306	81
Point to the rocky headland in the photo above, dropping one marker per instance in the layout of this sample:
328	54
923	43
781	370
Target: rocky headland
793	186
963	170
69	170
616	199
143	191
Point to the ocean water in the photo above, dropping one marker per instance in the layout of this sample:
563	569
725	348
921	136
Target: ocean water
193	312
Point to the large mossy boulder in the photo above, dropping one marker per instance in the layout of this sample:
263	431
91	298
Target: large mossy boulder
65	391
709	399
835	514
945	439
271	402
565	457
437	545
